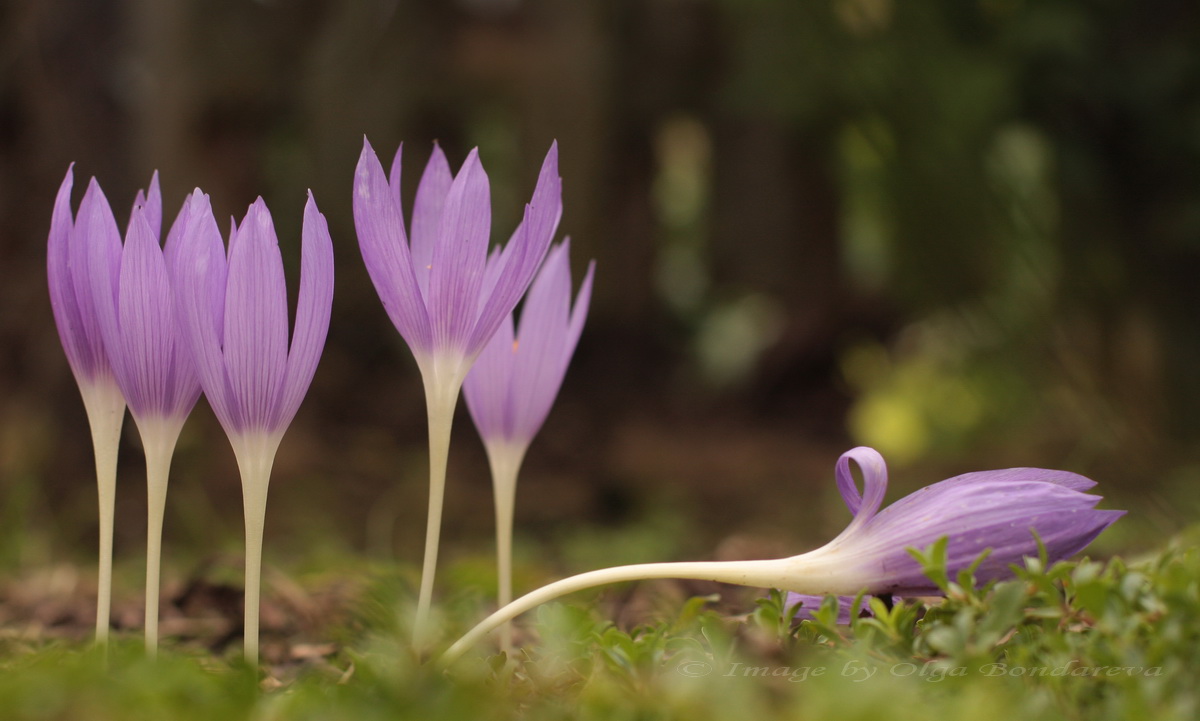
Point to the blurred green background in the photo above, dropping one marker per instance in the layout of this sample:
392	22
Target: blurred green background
964	232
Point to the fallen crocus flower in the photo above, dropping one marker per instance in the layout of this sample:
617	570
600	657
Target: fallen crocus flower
67	253
441	293
1005	511
234	316
513	384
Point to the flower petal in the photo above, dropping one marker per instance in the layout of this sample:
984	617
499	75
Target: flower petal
62	288
524	253
94	256
198	274
579	311
151	203
990	511
540	362
380	226
157	378
312	312
459	256
175	235
103	289
256	321
1066	479
427	214
862	505
488	387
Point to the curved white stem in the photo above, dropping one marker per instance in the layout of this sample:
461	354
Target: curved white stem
105	408
745	573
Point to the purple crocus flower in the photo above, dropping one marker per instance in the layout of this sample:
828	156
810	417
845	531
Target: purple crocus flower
135	311
997	510
441	292
514	382
234	314
994	511
67	256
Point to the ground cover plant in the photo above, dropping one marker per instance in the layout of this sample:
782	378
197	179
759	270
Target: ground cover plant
1079	640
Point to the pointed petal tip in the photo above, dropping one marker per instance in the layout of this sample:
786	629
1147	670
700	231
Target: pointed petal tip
259	211
551	160
367	155
69	176
68	181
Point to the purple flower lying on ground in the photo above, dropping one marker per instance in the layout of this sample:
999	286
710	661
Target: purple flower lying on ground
994	511
1000	511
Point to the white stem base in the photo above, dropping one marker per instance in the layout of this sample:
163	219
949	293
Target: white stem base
158	440
105	408
255	451
505	462
443	379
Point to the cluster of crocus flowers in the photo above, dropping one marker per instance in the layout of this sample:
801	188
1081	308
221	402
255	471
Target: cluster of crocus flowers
510	390
1005	512
149	327
440	291
114	303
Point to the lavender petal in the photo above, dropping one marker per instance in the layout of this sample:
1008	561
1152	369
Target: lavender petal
256	321
460	256
380	227
312	312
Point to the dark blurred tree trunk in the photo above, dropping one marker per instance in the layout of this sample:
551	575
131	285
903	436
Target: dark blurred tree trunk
776	232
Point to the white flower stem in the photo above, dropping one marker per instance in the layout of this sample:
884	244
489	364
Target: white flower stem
505	462
105	408
441	398
746	573
158	440
255	451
